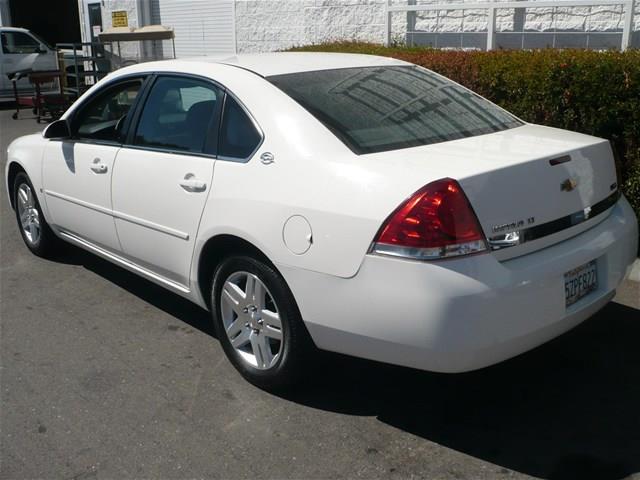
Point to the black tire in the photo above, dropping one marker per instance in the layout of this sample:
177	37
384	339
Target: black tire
297	347
47	243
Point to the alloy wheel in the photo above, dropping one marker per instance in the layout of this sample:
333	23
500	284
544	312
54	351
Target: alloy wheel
251	320
28	214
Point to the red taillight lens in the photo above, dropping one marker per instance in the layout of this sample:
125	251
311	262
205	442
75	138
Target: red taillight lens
436	222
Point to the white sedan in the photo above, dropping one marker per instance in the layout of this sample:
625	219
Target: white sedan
357	204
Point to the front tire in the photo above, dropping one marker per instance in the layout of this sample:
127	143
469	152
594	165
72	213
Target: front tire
258	323
35	231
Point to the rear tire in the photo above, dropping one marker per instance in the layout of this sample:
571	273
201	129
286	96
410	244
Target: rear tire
258	323
35	231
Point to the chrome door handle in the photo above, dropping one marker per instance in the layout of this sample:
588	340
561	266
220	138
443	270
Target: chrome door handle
98	167
191	184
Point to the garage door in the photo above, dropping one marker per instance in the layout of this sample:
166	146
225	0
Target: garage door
202	27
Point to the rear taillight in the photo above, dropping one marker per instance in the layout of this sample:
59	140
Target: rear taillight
436	222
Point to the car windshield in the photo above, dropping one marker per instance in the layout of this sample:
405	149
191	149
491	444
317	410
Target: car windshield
376	109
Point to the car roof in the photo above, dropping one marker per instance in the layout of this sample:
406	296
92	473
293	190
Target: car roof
280	63
13	29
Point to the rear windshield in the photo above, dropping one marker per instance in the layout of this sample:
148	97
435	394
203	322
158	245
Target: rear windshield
375	109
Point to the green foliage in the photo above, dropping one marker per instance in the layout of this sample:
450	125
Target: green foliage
631	186
592	92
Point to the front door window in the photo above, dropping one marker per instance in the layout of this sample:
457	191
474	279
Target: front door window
103	118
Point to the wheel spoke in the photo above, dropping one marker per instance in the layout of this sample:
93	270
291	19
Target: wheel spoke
261	350
234	294
242	339
29	197
33	229
271	319
23	198
259	293
271	332
235	327
250	287
24	218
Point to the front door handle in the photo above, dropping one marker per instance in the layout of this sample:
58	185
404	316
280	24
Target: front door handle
98	167
191	184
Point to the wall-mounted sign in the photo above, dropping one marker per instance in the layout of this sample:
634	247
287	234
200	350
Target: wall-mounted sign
119	18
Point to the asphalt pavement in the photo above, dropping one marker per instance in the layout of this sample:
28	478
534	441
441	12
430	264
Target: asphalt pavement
105	375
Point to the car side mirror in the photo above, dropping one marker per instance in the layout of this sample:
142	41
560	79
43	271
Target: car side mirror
58	129
41	50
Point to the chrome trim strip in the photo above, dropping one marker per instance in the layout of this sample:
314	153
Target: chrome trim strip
123	262
121	216
426	254
518	237
151	225
82	203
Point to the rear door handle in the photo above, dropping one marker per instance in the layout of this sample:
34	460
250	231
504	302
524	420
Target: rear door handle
191	184
98	167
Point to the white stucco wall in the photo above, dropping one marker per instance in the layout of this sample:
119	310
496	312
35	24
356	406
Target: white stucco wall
265	25
268	25
597	26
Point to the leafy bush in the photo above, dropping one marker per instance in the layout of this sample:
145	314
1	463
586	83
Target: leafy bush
592	92
631	186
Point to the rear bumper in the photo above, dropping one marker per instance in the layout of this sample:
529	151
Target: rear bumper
463	314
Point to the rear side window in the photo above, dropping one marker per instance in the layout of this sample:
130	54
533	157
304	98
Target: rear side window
239	137
180	114
375	109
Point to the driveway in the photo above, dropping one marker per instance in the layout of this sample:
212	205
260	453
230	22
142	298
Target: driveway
105	375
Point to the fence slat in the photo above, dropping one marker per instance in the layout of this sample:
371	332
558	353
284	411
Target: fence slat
492	5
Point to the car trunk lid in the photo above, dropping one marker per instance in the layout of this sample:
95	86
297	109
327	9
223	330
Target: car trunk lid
530	186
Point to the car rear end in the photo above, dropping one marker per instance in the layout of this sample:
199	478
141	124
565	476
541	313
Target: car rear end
478	309
471	309
497	235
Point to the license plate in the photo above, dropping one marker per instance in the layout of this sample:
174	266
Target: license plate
580	282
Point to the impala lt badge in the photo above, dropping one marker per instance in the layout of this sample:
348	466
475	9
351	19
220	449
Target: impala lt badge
568	185
513	226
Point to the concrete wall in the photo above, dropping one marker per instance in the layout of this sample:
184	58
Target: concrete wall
594	27
268	25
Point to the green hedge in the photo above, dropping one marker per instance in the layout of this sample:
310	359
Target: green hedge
583	90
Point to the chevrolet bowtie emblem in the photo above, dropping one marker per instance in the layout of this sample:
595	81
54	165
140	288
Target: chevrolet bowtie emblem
568	185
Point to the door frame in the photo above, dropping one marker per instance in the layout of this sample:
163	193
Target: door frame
85	17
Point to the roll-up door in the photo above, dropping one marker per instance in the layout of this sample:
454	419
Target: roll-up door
202	27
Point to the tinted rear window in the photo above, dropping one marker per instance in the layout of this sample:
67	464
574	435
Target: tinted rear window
375	109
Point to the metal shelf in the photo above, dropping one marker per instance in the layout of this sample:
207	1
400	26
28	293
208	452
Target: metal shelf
91	54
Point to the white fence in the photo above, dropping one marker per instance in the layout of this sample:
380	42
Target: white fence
491	6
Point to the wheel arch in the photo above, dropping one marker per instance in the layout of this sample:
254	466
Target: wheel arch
12	172
26	154
216	249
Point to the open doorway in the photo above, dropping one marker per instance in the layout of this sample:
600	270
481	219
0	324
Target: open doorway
93	20
54	22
